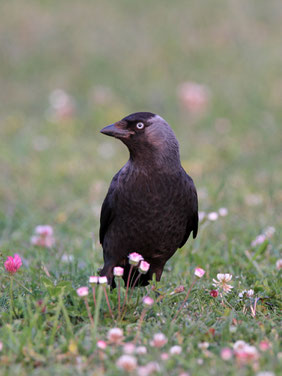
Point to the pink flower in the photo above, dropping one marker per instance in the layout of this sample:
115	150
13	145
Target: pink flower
12	264
226	353
44	230
159	340
164	356
199	272
214	293
93	279
264	345
118	271
194	97
127	363
144	267
44	236
147	301
134	258
279	264
82	291
115	335
102	345
258	240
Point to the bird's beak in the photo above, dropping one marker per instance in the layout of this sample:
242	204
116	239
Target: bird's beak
114	131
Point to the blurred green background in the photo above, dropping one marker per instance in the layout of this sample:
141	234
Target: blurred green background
113	58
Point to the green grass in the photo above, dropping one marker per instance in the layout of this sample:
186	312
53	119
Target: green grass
142	51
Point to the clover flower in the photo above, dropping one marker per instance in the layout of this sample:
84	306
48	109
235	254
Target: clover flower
127	363
159	340
222	282
115	335
44	236
248	293
175	350
12	264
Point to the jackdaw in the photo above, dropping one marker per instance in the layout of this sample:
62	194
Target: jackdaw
151	206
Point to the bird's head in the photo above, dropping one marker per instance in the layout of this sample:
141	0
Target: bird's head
147	136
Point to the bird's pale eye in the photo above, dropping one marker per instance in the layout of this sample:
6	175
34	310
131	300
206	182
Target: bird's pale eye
140	125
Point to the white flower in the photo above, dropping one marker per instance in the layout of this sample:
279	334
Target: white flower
67	258
212	216
115	335
141	350
222	282
93	279
223	212
239	345
201	215
203	345
103	280
248	293
175	350
127	363
159	340
269	231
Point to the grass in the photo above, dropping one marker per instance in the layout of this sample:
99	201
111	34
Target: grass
57	172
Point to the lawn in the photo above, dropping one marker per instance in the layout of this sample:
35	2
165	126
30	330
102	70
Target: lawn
68	69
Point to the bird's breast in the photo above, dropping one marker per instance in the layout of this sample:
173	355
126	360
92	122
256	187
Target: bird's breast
153	208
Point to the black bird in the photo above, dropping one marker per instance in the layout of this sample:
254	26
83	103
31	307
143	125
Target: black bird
151	206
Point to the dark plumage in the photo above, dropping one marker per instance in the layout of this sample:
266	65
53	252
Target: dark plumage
151	206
